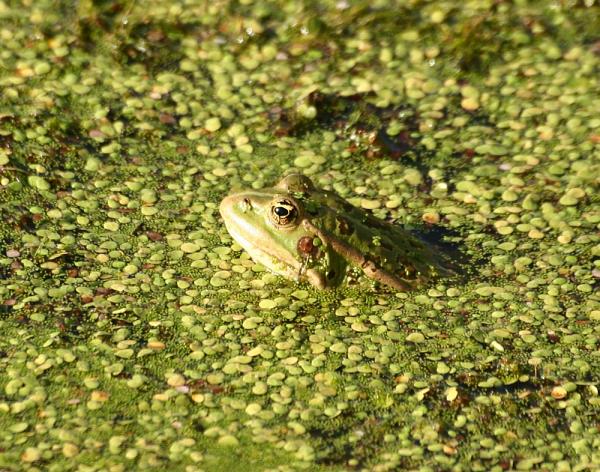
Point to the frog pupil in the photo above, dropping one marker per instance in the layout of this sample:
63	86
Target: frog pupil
281	211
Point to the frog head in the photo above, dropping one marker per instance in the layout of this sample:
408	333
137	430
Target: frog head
271	225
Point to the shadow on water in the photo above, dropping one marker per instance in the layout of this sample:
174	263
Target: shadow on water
453	253
365	125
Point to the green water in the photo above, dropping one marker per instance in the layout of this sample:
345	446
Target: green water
135	335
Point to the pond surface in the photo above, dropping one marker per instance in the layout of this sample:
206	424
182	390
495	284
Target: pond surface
135	334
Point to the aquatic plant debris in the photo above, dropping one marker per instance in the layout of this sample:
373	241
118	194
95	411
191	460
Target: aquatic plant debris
134	334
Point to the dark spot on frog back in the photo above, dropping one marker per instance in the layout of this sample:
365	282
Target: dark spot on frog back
344	226
376	223
405	268
386	244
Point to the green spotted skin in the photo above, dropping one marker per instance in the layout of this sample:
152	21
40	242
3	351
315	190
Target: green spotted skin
305	233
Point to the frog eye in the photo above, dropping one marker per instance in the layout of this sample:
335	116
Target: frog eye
283	212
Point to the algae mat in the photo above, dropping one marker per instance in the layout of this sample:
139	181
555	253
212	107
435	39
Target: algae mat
135	335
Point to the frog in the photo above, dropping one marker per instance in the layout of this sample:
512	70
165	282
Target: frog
308	234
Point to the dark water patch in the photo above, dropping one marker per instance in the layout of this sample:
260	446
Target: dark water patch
355	119
479	42
332	437
157	45
452	252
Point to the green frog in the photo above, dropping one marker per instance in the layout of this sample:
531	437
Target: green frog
308	234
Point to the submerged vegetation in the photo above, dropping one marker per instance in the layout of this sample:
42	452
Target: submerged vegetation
135	334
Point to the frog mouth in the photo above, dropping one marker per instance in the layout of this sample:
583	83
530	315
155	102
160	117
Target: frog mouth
285	266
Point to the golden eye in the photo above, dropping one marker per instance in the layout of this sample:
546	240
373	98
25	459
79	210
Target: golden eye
283	212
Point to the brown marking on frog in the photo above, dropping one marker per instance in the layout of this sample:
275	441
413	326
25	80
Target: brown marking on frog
344	226
410	272
355	257
306	247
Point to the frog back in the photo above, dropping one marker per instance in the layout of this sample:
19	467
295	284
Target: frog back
384	252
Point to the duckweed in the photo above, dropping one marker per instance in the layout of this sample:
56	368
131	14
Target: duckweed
137	335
